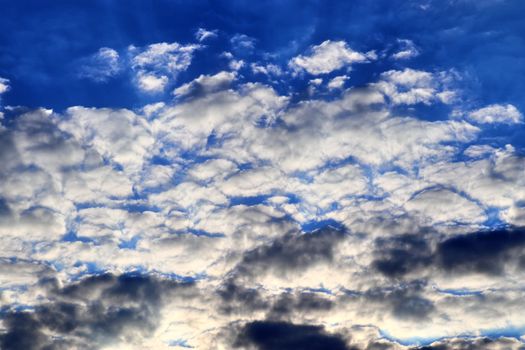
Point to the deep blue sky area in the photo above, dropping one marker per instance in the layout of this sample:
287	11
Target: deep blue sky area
42	42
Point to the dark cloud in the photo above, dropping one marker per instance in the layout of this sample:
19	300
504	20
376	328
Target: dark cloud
405	301
487	252
482	252
268	335
406	253
291	252
473	344
303	302
237	298
94	311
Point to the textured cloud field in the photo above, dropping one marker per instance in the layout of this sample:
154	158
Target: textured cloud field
264	200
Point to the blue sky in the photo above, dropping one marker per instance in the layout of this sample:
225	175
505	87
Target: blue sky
269	175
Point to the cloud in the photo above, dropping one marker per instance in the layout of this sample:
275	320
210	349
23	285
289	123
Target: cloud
4	85
241	186
291	252
483	252
409	86
157	63
234	64
481	343
327	57
101	66
404	300
205	84
242	43
94	312
401	255
337	82
506	114
118	135
441	205
266	335
407	50
268	69
151	82
202	34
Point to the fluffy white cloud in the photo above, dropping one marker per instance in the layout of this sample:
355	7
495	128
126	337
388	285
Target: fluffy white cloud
507	114
119	135
411	86
268	69
338	82
327	57
151	82
157	63
443	206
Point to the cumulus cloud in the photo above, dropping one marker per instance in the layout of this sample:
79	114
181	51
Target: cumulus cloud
337	82
120	136
268	69
346	222
157	63
327	57
409	86
506	114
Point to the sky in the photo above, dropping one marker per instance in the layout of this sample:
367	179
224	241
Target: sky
262	175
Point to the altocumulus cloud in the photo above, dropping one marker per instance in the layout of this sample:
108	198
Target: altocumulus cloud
332	194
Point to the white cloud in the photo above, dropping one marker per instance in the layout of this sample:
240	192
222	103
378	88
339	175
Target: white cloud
407	50
443	206
4	85
151	82
327	57
202	34
234	64
119	135
206	84
102	65
338	82
157	63
409	86
242	42
506	114
268	69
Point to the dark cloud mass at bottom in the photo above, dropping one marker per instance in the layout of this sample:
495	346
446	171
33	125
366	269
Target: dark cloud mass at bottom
268	335
91	313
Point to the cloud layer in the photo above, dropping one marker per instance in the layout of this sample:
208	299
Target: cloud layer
263	205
